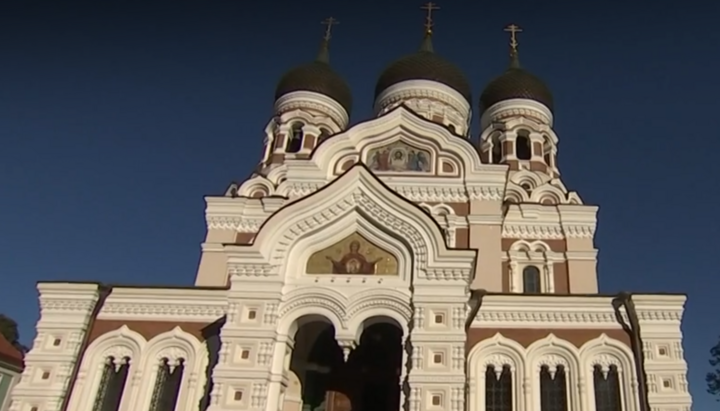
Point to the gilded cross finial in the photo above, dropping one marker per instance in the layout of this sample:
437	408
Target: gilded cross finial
513	29
329	22
429	7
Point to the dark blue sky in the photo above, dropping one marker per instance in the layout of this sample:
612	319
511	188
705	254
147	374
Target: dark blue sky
115	121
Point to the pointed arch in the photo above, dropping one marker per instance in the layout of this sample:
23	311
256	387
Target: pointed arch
177	346
381	302
497	351
553	352
356	196
397	122
316	301
606	352
120	343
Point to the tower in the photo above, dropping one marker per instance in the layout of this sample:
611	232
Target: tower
427	84
516	130
517	118
312	102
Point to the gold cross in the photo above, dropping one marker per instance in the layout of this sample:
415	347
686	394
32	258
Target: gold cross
513	30
329	22
430	7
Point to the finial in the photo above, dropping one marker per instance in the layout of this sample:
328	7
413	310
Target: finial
329	22
513	29
429	7
427	41
324	53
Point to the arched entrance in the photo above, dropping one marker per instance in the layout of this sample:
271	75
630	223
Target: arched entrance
368	381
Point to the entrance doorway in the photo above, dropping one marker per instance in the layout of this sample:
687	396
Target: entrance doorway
368	381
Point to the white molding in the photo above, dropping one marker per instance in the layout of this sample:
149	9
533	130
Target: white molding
515	108
525	364
163	304
579	312
355	190
144	356
422	96
309	100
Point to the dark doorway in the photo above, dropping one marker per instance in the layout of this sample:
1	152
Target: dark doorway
377	362
368	381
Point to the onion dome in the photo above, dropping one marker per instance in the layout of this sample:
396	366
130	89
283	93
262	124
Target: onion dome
317	77
424	65
516	83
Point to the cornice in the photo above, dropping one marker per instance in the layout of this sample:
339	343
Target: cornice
312	101
423	89
151	304
523	311
516	108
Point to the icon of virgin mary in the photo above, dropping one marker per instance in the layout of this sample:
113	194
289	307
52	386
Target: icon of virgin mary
353	262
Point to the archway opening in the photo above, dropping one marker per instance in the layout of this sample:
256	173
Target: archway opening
376	365
316	362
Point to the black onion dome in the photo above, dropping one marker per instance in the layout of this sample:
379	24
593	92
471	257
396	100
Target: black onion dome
516	83
424	65
317	77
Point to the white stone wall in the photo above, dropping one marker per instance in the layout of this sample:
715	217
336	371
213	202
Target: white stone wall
660	318
525	364
65	311
664	356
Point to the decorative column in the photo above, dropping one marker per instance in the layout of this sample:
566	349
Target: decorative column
282	351
65	314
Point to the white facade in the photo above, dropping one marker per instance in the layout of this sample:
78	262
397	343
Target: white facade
460	225
269	339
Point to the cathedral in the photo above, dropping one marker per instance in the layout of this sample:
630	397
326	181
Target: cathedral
404	262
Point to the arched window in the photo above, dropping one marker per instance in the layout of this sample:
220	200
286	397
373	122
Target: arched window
498	389
324	134
496	153
523	148
167	385
553	389
531	280
112	384
607	389
296	138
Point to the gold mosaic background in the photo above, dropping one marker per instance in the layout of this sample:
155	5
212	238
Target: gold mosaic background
368	260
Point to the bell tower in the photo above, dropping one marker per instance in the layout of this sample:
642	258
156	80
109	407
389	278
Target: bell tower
312	102
517	118
517	130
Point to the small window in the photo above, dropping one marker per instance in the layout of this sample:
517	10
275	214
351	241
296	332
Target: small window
57	342
252	314
553	389
245	354
607	389
531	280
296	138
436	400
324	134
496	153
523	150
238	396
498	389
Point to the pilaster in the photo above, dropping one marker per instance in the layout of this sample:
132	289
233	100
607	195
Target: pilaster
248	375
65	313
437	368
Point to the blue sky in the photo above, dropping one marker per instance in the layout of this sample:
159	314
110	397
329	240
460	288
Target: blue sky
115	121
